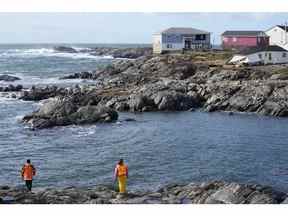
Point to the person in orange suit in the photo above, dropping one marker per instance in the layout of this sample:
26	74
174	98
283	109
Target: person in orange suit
27	173
121	172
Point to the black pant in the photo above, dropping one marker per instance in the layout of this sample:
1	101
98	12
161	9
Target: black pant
29	184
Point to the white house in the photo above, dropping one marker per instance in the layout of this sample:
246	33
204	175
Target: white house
278	35
265	55
173	39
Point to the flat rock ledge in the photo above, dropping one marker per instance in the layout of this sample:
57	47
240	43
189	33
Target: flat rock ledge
216	192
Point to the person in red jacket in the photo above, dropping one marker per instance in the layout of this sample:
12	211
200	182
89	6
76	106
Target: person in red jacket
27	173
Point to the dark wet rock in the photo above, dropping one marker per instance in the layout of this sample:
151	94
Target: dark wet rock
11	88
38	93
64	49
174	101
81	75
139	102
8	78
4	187
129	120
66	111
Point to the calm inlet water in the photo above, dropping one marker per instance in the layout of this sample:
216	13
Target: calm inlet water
160	148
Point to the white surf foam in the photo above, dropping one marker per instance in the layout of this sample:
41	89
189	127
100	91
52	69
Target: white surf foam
46	52
83	131
27	80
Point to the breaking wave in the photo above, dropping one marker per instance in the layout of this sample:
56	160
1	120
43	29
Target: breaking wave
27	81
49	52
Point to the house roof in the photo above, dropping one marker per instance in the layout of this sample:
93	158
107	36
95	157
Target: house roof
182	30
283	27
273	48
244	33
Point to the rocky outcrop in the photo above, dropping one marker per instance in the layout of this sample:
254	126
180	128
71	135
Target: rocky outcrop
64	49
61	111
193	193
39	93
130	53
180	82
81	75
8	78
11	88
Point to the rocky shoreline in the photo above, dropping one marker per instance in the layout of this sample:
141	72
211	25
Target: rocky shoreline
177	82
216	192
168	82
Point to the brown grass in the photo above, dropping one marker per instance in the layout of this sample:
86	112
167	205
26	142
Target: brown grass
281	71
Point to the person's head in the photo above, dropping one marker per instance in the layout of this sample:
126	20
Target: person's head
28	161
121	162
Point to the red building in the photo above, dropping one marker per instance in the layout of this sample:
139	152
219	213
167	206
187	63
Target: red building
244	39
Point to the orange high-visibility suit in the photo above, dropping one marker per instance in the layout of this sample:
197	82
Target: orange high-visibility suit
121	171
28	171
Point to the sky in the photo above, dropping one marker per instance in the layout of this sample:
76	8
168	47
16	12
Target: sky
123	27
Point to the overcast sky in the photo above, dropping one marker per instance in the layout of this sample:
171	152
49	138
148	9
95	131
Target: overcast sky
122	27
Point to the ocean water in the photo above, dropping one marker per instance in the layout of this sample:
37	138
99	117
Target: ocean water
159	148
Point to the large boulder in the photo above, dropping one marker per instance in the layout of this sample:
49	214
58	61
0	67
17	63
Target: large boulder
64	111
91	114
140	103
174	101
38	93
276	104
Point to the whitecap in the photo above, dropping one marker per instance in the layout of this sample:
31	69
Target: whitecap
48	52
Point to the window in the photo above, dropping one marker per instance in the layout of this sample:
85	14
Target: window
260	56
200	37
169	46
284	55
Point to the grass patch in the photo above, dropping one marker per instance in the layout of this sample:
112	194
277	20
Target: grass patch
212	56
281	71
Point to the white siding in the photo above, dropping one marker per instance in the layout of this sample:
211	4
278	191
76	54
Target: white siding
172	46
276	58
277	36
